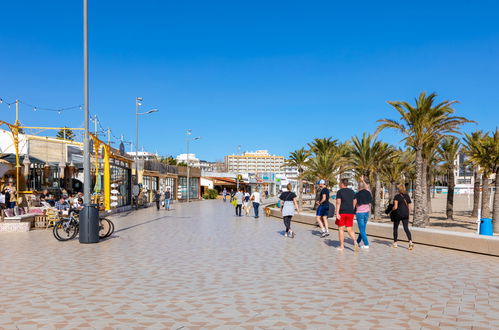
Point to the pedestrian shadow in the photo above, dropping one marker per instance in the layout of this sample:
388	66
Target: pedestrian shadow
140	224
281	232
315	232
335	244
383	242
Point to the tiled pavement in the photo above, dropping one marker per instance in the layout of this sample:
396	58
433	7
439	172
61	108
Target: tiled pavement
199	267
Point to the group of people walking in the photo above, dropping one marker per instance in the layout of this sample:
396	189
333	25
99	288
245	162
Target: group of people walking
163	199
349	205
243	200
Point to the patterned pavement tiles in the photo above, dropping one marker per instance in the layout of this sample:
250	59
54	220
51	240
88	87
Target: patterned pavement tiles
198	266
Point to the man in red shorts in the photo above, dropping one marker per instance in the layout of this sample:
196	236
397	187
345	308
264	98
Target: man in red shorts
345	211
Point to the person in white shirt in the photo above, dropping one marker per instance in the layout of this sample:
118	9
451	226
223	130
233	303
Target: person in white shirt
256	198
246	204
239	201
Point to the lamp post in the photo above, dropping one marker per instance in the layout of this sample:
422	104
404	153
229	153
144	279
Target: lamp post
89	216
188	139
138	102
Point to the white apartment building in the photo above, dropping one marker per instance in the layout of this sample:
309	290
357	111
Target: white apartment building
254	162
193	161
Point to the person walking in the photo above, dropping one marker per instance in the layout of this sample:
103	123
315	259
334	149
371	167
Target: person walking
400	213
289	205
224	194
323	209
256	199
362	202
345	212
247	204
168	197
10	194
238	197
232	194
157	198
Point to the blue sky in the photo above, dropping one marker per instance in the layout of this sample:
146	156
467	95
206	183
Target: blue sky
260	74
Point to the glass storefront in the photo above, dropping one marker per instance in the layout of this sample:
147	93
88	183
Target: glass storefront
120	182
182	188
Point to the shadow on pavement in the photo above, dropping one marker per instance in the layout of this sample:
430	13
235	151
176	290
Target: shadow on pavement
140	224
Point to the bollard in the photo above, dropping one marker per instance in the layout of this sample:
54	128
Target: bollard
89	224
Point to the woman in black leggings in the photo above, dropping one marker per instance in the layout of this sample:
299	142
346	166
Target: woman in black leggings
400	213
288	207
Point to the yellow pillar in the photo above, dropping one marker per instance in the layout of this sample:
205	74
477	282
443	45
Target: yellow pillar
107	179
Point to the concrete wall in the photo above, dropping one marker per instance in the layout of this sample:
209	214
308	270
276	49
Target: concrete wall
469	242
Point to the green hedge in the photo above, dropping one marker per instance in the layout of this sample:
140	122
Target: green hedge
210	194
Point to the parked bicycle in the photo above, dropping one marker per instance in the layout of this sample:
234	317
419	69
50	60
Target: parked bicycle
68	227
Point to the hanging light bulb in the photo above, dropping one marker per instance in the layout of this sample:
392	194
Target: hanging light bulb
1	101
81	107
59	111
34	109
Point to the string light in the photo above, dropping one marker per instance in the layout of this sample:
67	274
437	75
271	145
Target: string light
36	108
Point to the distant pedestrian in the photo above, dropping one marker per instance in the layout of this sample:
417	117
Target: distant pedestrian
323	208
288	207
238	197
362	201
344	213
246	204
10	194
168	197
157	198
224	194
232	194
400	212
256	198
266	194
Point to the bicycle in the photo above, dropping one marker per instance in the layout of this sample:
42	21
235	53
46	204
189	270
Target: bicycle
67	228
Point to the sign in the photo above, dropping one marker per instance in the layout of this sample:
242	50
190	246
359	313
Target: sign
122	149
239	177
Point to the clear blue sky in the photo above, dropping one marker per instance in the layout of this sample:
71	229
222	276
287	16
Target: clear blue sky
262	74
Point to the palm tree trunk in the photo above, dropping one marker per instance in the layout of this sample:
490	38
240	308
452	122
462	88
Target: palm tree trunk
419	195
450	194
393	190
476	192
485	197
495	214
300	191
377	199
428	189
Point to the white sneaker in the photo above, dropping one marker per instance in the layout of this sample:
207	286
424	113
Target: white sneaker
365	247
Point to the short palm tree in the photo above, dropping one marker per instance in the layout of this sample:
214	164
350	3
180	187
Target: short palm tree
470	142
420	123
448	151
298	159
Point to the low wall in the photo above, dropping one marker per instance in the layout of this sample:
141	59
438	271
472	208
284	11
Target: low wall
469	242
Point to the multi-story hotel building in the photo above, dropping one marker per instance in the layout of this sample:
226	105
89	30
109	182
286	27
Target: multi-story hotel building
259	161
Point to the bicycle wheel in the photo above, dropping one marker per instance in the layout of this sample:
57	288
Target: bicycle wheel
111	230
64	230
104	228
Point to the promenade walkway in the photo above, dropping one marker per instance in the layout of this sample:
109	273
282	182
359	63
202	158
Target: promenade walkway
199	266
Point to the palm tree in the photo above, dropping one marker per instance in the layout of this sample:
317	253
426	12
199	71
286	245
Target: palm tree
494	151
298	159
398	170
321	146
420	124
470	141
484	153
448	151
367	155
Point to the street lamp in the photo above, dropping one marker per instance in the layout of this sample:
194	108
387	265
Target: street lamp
188	139
89	216
138	102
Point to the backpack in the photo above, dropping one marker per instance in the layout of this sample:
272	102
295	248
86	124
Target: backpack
332	210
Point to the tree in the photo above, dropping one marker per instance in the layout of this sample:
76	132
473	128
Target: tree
448	151
470	141
65	134
420	124
298	159
367	157
169	160
485	153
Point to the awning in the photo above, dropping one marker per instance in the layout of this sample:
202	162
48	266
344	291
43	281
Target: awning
11	158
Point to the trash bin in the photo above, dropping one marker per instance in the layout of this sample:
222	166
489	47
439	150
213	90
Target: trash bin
486	227
89	224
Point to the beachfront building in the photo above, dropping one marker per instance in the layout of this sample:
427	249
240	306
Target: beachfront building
259	161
